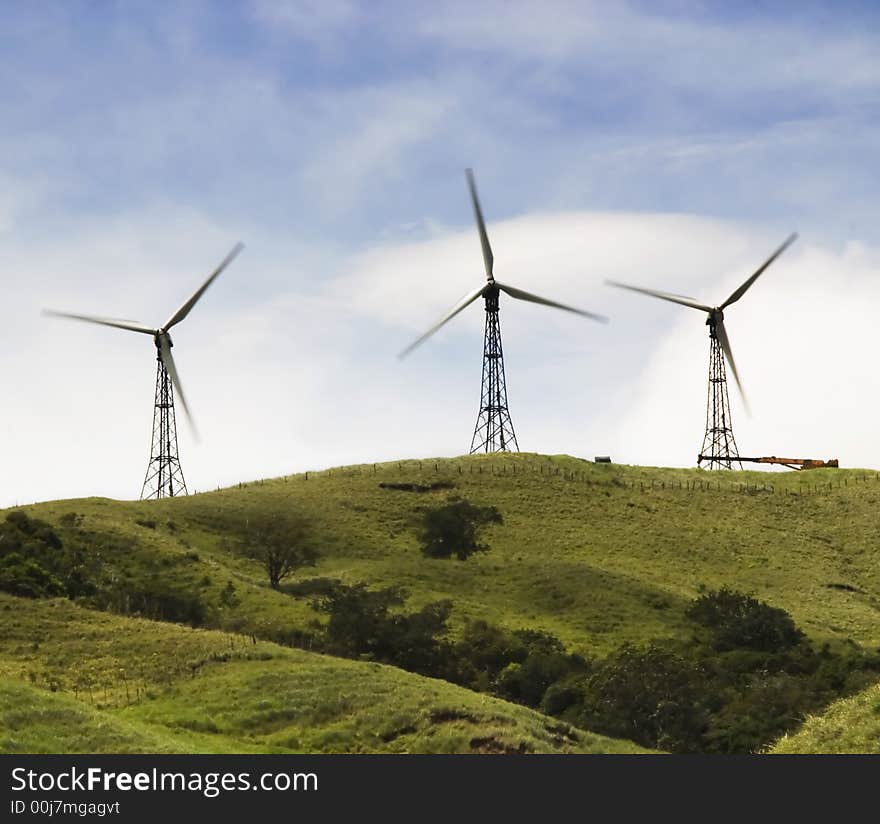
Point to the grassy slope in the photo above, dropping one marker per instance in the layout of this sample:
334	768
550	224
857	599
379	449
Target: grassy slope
851	725
596	554
129	685
601	558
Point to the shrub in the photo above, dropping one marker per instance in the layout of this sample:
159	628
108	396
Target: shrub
24	576
651	695
560	696
736	620
453	529
526	683
362	625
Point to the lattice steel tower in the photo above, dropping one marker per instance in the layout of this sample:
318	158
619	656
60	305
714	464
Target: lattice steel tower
719	445
164	478
494	429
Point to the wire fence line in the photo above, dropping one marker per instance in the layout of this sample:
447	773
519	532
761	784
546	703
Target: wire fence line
452	468
130	683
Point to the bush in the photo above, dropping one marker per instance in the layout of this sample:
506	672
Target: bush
25	577
736	620
453	529
33	561
526	683
483	651
651	695
362	625
560	696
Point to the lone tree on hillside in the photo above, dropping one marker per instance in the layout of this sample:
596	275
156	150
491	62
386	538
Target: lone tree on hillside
453	529
281	546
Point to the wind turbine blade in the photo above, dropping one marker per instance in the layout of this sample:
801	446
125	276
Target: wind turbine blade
519	294
168	361
488	258
130	325
662	295
721	332
742	289
184	310
462	304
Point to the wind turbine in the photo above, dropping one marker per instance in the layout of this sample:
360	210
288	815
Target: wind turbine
494	430
164	476
719	446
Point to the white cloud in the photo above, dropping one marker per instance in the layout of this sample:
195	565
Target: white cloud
307	18
131	164
637	388
373	129
689	51
286	379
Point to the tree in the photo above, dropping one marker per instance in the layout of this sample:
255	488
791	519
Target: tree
281	546
651	695
362	624
736	620
452	529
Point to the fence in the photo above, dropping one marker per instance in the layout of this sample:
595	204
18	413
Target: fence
793	485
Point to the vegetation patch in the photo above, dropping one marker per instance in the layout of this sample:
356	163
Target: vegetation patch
414	487
453	529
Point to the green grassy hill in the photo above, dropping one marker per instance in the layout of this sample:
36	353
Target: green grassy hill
76	680
598	555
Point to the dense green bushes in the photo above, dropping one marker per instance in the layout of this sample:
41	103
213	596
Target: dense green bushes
746	676
36	563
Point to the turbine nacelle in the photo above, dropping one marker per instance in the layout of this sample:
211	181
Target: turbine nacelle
491	287
715	319
161	338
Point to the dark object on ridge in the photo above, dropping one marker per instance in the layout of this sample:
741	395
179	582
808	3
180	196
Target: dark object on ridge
419	487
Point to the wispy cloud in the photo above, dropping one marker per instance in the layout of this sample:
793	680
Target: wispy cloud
669	145
308	18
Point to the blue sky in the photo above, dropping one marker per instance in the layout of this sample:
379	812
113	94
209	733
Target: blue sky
139	141
251	110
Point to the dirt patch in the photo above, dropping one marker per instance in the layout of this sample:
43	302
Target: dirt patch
562	734
846	588
390	735
492	745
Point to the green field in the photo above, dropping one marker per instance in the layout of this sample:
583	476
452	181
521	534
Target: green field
76	680
598	555
851	725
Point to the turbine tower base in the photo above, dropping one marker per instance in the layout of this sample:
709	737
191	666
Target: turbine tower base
164	478
719	446
494	429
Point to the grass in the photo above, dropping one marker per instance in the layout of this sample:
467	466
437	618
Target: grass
36	721
598	555
156	687
595	554
851	725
